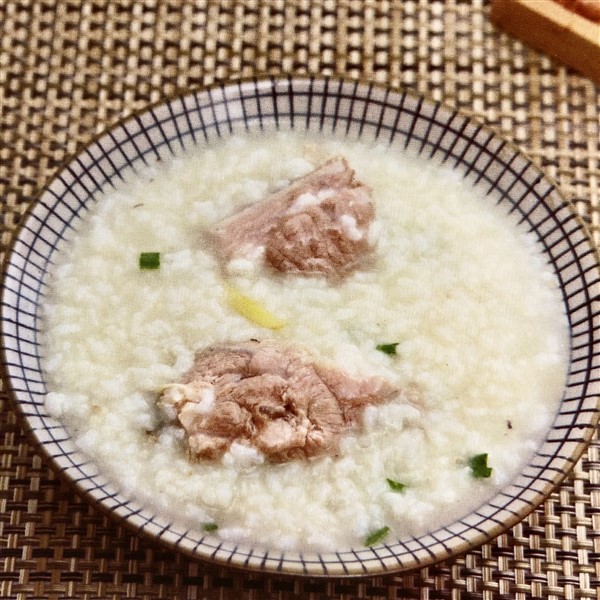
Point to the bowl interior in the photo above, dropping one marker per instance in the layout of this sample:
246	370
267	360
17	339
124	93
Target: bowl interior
340	109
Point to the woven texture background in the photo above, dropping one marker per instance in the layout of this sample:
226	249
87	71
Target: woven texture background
70	69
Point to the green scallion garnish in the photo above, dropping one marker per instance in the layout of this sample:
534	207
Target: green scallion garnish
149	260
209	527
387	348
377	536
479	466
396	486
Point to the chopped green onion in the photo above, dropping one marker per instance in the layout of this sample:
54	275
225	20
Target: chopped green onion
387	348
210	527
377	536
396	486
479	466
149	260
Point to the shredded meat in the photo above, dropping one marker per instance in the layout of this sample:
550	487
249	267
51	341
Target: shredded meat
318	225
268	396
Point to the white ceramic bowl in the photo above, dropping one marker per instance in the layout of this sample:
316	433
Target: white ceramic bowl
339	108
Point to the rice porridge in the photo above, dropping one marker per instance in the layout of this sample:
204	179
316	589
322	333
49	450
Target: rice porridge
456	309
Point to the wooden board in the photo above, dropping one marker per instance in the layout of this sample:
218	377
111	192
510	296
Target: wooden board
553	29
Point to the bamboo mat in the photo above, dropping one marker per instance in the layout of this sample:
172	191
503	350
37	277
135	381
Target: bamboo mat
69	69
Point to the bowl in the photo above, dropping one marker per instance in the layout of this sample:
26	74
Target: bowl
339	108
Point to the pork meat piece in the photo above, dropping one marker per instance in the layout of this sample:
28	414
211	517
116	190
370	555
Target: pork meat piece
268	396
590	9
318	225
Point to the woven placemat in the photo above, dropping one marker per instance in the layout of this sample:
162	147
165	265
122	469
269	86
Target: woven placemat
69	69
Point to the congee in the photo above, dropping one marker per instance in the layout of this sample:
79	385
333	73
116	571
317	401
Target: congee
303	343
